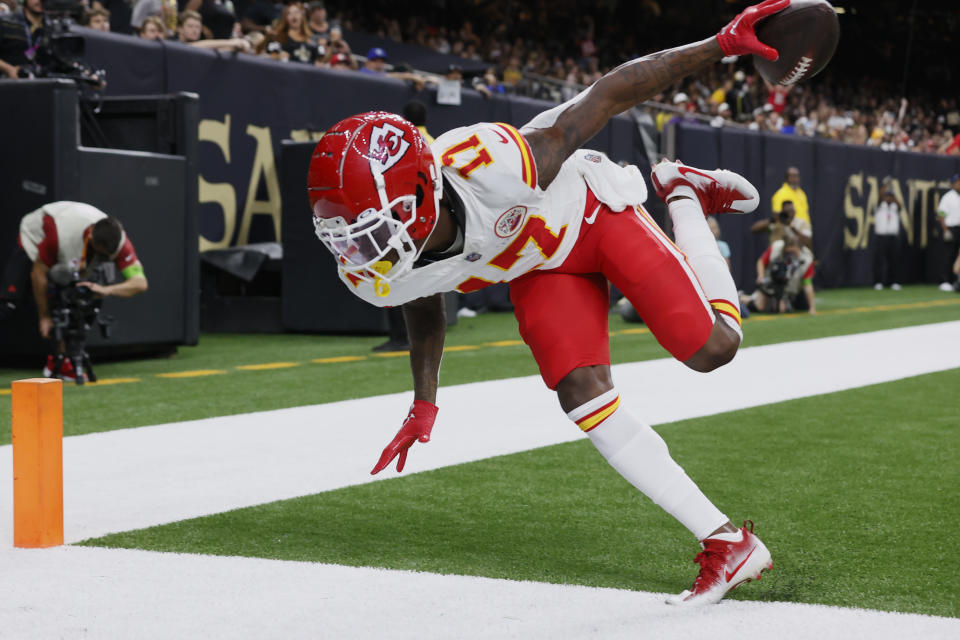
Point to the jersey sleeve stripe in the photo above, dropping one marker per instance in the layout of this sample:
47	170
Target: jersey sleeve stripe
526	156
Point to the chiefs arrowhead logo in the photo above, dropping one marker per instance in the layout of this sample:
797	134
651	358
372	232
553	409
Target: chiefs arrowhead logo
387	146
509	221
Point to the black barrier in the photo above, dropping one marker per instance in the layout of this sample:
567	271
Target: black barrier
153	195
842	183
248	105
314	298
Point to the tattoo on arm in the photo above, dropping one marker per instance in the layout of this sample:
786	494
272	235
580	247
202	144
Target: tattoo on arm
426	327
626	86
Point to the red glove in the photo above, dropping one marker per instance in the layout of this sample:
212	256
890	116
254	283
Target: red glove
417	426
738	37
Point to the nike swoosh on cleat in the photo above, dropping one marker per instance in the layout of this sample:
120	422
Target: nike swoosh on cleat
730	574
685	170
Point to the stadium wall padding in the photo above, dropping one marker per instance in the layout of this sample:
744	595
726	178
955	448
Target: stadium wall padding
249	105
842	183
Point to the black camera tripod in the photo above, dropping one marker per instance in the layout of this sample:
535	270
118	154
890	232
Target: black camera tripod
70	330
73	310
76	352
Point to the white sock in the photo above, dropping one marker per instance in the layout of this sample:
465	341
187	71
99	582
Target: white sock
640	455
695	239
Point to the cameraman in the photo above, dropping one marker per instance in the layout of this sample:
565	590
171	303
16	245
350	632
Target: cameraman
20	34
784	278
79	237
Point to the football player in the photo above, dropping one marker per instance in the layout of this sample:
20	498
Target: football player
488	203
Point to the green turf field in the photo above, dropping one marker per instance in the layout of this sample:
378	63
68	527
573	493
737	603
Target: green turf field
852	491
140	395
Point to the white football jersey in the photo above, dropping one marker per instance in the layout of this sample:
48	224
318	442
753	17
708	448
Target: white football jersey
70	220
512	226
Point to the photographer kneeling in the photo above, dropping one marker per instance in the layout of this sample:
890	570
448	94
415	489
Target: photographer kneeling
784	278
79	239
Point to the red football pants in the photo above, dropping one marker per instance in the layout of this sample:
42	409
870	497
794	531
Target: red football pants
563	313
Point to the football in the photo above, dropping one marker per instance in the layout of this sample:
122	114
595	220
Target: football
806	35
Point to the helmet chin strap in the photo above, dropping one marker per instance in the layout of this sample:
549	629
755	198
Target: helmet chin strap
380	184
437	178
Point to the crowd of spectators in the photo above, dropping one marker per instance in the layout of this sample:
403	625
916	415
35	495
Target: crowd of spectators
728	94
524	58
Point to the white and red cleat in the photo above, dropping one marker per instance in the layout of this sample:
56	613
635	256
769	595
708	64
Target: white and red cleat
719	191
725	562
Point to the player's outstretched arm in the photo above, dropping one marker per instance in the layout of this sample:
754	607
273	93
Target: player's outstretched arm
426	327
637	81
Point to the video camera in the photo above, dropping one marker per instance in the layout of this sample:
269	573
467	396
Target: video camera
73	310
774	282
59	53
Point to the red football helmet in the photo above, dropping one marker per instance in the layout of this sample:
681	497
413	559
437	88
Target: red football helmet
375	188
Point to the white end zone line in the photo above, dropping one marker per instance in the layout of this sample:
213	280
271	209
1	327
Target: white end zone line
78	592
127	479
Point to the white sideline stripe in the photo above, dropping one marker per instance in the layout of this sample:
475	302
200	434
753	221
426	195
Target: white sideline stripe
135	478
76	592
139	477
